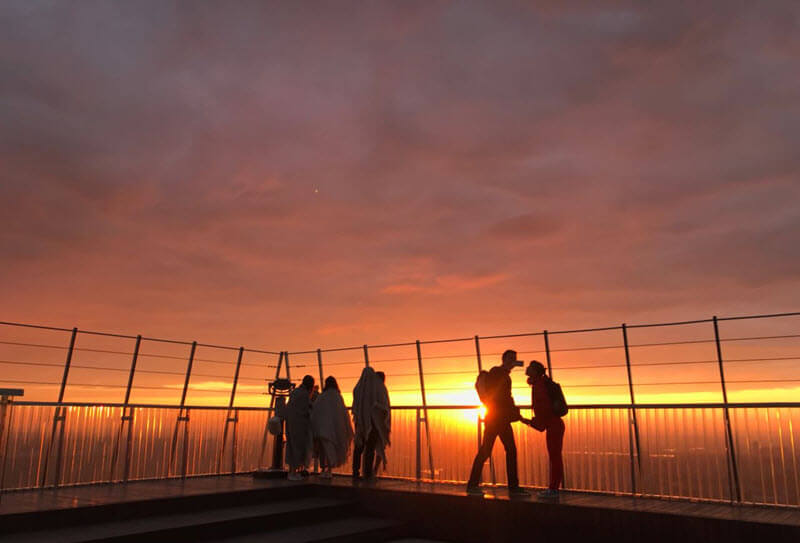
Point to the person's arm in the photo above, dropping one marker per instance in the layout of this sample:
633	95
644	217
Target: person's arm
513	410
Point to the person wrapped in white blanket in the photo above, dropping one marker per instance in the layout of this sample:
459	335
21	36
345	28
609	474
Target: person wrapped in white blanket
330	424
373	422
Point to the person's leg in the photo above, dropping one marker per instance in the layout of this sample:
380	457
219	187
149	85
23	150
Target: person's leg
369	453
555	443
323	460
507	437
484	451
357	451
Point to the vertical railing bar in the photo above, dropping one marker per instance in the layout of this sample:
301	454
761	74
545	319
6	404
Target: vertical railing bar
633	420
234	444
270	412
185	445
181	417
733	470
480	418
128	446
6	407
418	449
366	356
58	416
547	353
67	364
228	413
319	364
478	353
425	408
125	415
133	369
236	378
286	362
188	374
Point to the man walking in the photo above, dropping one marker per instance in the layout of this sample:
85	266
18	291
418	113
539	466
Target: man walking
500	413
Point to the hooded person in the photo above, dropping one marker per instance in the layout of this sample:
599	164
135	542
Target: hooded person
298	428
331	427
372	416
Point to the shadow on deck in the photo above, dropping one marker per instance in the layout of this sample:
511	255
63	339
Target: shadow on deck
242	509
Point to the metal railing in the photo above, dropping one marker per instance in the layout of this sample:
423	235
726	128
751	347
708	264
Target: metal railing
719	449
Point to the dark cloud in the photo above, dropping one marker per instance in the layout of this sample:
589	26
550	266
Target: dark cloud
280	171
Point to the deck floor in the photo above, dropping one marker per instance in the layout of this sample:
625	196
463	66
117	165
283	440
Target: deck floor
26	501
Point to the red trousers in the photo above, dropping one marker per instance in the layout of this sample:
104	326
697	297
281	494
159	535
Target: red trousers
555	441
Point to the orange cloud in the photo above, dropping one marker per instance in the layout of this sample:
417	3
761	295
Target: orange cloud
446	284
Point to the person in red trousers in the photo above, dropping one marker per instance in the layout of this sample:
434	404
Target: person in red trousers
545	420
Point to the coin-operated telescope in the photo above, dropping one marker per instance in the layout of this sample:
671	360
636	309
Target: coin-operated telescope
279	389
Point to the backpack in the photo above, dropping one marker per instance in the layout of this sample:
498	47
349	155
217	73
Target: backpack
484	386
557	399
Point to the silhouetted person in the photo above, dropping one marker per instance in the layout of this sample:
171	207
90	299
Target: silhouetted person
372	420
298	429
382	376
546	420
500	413
333	432
315	452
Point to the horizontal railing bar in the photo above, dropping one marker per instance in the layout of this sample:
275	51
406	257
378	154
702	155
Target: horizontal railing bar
136	405
709	405
107	334
768	316
676	323
37	326
260	351
502	336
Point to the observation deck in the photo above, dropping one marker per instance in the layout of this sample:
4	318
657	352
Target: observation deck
242	509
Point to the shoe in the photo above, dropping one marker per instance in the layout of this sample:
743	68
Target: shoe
326	475
517	491
548	494
474	491
294	476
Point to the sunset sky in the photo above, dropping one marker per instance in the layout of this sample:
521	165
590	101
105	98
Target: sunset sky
294	175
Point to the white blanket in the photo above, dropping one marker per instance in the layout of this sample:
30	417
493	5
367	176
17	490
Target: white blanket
330	424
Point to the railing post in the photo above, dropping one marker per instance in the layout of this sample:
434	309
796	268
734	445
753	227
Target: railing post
128	446
425	409
478	353
733	469
632	421
126	417
418	449
286	361
228	418
184	463
366	356
184	418
270	412
235	444
547	354
58	419
480	418
6	405
319	364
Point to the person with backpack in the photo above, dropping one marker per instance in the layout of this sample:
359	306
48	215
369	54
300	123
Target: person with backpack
549	406
494	390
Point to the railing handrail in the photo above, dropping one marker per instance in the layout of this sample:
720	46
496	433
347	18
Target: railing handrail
694	405
410	343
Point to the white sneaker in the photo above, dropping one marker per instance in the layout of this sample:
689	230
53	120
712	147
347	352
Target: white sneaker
326	475
294	476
